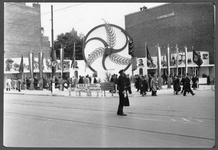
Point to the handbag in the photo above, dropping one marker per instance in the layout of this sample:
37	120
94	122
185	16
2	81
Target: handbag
126	100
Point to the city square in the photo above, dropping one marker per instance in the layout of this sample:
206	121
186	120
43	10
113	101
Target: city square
140	77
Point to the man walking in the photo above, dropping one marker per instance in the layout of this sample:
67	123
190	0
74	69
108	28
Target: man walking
187	86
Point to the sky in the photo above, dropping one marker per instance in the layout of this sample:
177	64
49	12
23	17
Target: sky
85	16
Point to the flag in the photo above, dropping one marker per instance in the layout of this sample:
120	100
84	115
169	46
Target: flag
149	59
197	58
40	58
21	65
73	58
31	62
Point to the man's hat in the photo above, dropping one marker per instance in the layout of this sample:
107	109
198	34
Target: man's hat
121	71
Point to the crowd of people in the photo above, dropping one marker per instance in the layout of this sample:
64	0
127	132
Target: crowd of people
13	83
142	83
46	83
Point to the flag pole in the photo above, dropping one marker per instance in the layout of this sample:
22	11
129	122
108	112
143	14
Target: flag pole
61	60
168	59
52	43
159	59
146	57
177	59
186	61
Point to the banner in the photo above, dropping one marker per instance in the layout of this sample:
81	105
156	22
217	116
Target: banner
150	62
31	64
73	58
21	68
197	58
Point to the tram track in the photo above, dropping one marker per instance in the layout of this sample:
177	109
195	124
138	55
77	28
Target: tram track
108	126
78	107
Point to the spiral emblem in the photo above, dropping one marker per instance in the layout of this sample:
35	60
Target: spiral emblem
106	47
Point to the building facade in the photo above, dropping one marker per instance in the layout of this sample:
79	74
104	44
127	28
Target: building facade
181	24
22	34
23	31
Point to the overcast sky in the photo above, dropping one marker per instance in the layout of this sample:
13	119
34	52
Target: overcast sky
84	16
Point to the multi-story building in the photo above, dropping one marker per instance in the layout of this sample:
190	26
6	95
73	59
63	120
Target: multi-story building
22	34
23	31
181	24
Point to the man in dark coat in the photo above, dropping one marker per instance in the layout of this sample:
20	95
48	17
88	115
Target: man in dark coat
121	83
187	86
176	85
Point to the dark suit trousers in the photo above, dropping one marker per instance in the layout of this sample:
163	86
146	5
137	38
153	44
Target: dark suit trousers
121	103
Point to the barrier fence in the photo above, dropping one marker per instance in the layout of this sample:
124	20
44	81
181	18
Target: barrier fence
98	88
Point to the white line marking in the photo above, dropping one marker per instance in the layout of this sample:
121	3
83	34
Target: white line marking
185	119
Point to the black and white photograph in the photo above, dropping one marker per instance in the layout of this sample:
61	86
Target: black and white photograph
76	74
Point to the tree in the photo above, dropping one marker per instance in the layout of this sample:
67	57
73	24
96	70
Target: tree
67	40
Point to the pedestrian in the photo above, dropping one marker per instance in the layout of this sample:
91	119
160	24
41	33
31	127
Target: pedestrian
149	82
169	82
8	84
194	82
144	86
121	83
19	85
160	82
128	82
12	83
208	80
154	85
137	83
95	80
188	86
183	84
176	85
81	80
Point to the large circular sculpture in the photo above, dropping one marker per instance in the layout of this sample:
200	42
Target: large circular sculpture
107	45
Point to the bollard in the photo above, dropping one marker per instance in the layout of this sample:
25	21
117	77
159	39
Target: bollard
70	90
53	88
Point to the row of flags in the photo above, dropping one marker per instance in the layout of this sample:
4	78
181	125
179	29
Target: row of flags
196	59
40	59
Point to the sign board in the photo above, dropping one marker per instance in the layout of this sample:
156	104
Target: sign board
107	86
81	87
94	87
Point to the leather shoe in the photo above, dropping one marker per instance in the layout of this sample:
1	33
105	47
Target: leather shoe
122	114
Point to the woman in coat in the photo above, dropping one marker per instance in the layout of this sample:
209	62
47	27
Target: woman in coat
154	85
